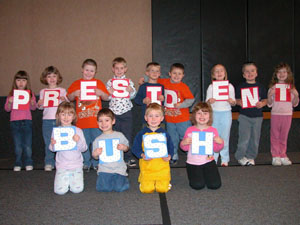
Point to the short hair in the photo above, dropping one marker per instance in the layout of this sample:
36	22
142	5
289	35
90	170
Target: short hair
119	60
49	70
213	70
204	107
154	106
177	66
248	64
63	107
89	62
106	112
289	79
21	74
152	64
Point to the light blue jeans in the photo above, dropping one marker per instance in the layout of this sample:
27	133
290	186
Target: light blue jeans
90	135
222	121
107	182
47	131
66	179
177	131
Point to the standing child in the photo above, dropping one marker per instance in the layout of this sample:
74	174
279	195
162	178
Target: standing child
177	116
154	173
21	122
87	110
250	119
281	114
222	116
202	169
112	176
69	174
50	77
121	107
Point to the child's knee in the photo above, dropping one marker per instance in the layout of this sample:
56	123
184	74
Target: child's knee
76	189
197	185
163	186
61	190
214	186
147	187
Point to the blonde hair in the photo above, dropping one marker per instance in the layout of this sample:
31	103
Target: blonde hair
119	60
49	70
288	80
204	107
154	106
21	74
65	107
152	64
213	70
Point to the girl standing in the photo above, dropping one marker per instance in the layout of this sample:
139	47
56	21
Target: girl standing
21	122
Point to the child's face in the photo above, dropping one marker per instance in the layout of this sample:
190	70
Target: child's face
282	75
250	73
66	118
176	75
219	72
105	123
51	79
119	69
21	83
88	72
154	118
202	117
153	72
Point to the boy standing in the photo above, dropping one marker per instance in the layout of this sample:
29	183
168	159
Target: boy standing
250	119
154	173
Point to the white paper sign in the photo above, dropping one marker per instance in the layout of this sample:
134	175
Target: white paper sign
221	90
51	98
171	98
153	92
249	97
21	99
87	90
202	143
110	153
64	138
155	145
119	86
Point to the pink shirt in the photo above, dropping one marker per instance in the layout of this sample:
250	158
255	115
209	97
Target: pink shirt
200	159
16	114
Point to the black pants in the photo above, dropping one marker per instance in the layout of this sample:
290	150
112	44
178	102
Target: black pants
204	175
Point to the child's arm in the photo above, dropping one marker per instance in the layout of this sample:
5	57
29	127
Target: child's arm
218	141
131	89
33	102
122	147
96	153
139	96
271	94
295	100
261	103
185	104
186	141
137	146
101	94
8	103
79	138
73	95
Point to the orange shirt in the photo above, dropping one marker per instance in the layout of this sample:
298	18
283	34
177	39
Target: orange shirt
87	110
174	115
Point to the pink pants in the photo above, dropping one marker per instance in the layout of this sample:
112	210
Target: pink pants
280	127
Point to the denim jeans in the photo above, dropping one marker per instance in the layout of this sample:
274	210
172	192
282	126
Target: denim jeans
177	131
22	136
90	135
68	179
107	182
47	131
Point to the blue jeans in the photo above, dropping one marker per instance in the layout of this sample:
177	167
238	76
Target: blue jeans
47	131
90	135
177	131
22	136
107	182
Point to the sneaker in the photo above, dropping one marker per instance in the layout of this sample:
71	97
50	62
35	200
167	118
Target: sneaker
276	161
28	168
48	167
224	164
17	168
95	168
173	162
286	161
131	163
251	162
86	168
243	161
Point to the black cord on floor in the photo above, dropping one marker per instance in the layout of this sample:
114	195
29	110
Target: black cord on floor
164	209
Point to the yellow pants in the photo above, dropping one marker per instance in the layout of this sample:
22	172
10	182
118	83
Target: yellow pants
160	186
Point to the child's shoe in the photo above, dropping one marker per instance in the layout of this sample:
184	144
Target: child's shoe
224	164
28	168
286	161
131	163
48	167
86	168
251	162
276	161
243	161
17	168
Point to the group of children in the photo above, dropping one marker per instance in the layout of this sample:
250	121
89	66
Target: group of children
165	104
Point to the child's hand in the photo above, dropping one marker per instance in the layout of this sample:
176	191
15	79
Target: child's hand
40	102
260	104
76	93
218	140
97	151
129	89
161	98
99	92
294	92
111	91
177	105
63	98
76	137
166	159
186	141
10	99
122	147
271	92
238	102
231	101
141	81
146	101
32	102
211	100
144	157
53	142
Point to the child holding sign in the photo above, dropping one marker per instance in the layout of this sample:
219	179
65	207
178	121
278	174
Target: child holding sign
251	97
220	94
282	97
68	142
88	93
121	91
50	97
19	103
109	148
154	148
200	165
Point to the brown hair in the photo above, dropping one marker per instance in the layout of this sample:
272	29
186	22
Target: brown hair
178	66
49	70
204	107
63	107
154	106
289	79
248	64
89	62
21	75
106	112
119	60
213	70
150	64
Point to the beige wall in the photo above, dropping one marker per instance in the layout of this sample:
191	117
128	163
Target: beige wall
37	33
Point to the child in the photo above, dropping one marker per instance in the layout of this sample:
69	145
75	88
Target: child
153	73
69	174
250	119
87	110
177	117
222	117
50	77
202	169
121	107
111	176
154	173
21	122
281	114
